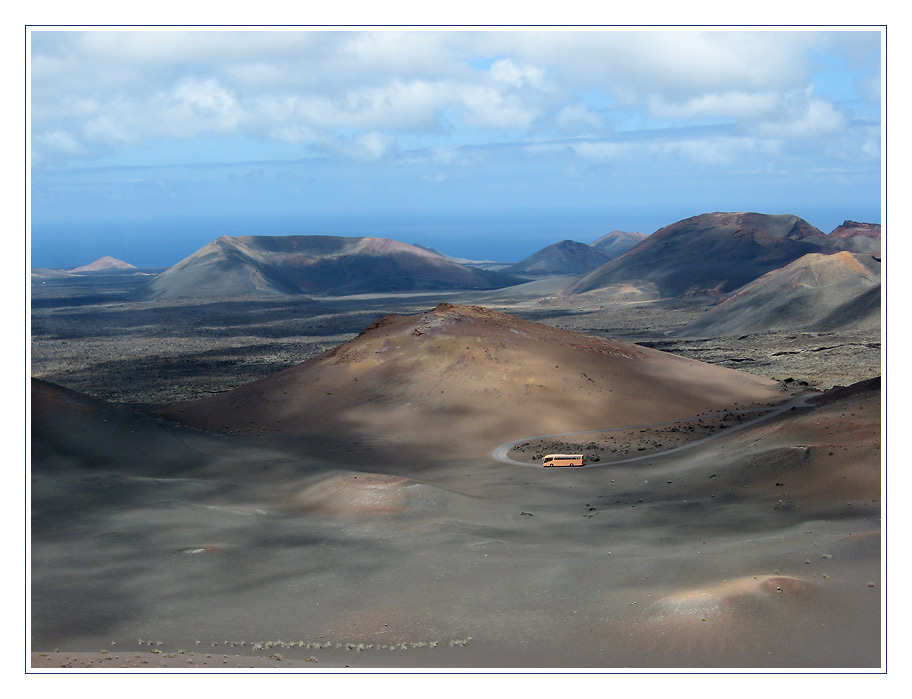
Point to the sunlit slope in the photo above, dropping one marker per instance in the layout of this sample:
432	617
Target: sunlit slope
465	379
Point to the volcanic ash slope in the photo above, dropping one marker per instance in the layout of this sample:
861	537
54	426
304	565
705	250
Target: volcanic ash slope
464	379
814	293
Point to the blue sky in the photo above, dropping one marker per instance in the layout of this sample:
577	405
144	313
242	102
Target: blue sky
146	145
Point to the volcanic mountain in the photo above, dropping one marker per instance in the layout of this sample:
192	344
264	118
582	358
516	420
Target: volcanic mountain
104	264
857	237
463	379
814	293
565	257
709	253
616	243
314	265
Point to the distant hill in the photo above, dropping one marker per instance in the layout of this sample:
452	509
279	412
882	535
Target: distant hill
817	292
617	243
269	265
104	264
565	257
49	273
709	253
857	237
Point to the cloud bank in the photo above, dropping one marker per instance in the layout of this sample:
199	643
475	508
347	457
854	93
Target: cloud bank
374	94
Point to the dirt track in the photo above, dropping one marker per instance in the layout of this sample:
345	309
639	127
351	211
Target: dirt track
502	452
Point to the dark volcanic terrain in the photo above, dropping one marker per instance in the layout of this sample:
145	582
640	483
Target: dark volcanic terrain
293	480
88	335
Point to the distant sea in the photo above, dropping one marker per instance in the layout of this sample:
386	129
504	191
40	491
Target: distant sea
502	235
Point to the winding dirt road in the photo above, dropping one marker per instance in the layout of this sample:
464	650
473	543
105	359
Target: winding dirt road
501	453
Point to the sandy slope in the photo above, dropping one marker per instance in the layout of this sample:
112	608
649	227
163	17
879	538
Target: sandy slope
465	378
814	293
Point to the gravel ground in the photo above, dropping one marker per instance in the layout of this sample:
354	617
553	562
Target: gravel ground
89	336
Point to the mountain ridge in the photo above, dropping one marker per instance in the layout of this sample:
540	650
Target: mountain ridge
710	253
331	265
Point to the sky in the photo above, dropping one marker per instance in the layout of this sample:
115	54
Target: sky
146	145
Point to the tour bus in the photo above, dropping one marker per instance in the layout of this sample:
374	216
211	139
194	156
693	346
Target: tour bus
562	460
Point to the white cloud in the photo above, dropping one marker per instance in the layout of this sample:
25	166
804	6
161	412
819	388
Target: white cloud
375	145
791	114
578	117
57	141
106	88
109	128
396	105
744	105
510	74
804	117
676	64
488	107
196	106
